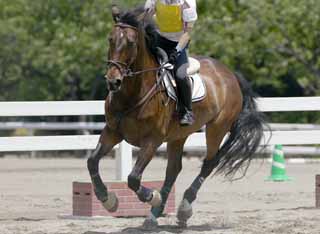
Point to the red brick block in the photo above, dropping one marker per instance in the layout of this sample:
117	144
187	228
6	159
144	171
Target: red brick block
117	185
126	206
141	206
136	212
132	199
123	192
85	203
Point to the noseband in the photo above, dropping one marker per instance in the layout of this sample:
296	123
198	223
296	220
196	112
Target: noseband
124	68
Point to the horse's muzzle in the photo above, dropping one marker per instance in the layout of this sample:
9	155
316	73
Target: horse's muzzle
114	85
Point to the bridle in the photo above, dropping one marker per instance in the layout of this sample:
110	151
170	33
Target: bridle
126	71
124	68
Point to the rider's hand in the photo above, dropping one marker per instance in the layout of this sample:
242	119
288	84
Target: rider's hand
149	7
174	56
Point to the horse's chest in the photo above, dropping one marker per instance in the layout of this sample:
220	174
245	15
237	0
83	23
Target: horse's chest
151	124
137	132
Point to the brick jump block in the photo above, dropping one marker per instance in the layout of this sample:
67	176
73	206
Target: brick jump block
318	191
85	203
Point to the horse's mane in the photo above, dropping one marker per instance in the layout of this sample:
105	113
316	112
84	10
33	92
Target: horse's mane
147	26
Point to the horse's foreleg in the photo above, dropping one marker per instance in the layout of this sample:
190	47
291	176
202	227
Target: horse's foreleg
214	136
144	194
107	141
174	166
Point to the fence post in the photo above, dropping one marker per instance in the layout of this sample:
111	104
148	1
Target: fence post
123	161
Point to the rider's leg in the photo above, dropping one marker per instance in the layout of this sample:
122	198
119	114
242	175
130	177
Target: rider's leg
184	89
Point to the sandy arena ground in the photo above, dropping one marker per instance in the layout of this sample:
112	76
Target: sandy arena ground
33	192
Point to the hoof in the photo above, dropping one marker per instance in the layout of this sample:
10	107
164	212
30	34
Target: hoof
112	203
150	224
156	199
184	213
182	224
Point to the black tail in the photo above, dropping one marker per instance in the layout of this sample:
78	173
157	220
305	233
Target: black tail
245	136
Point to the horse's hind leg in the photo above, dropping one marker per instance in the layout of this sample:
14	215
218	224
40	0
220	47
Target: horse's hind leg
214	135
174	166
107	141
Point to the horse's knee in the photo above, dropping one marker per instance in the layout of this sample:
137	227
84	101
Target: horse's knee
134	182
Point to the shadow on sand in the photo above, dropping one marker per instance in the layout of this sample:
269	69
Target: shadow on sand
164	229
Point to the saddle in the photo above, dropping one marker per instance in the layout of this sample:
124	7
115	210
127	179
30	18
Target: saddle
169	83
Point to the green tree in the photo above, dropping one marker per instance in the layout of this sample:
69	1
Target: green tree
54	49
273	43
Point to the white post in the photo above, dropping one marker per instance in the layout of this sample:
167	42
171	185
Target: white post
123	161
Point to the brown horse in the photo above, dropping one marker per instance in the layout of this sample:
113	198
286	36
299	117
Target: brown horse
137	113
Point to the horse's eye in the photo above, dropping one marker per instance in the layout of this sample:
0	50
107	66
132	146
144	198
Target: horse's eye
110	39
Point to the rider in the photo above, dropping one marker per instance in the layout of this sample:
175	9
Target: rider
175	20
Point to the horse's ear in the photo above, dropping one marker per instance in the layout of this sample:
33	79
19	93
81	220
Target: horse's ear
142	16
115	13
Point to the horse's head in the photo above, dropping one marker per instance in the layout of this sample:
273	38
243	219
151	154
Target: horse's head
123	50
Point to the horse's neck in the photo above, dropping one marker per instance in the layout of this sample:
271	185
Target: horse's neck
135	88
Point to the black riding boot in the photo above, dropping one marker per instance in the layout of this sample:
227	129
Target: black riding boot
185	96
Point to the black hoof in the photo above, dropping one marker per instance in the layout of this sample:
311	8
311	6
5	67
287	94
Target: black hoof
182	224
149	224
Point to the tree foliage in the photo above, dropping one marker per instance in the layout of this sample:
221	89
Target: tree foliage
54	49
274	43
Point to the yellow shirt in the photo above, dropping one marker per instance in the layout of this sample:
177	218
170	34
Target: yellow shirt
169	17
172	17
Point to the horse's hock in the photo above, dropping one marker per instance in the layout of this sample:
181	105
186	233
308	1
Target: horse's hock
318	191
85	203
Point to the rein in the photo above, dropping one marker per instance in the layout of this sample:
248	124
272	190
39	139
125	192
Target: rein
126	70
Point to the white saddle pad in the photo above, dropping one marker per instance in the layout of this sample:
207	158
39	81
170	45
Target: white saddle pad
194	66
197	84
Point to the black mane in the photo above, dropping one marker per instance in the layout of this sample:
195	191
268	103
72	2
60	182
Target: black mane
147	25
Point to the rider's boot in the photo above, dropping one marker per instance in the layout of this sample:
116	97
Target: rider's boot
186	114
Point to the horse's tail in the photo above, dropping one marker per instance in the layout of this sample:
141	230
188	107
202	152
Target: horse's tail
245	136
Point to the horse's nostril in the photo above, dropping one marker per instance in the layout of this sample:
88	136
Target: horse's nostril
118	82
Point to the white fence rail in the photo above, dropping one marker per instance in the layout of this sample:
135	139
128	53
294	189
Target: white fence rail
67	108
91	126
82	142
289	104
71	108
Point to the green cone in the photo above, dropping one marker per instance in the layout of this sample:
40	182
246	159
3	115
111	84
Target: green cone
278	169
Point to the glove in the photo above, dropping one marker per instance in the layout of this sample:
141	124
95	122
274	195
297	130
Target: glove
150	6
174	56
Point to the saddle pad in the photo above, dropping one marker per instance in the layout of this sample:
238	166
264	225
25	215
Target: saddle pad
194	66
197	84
